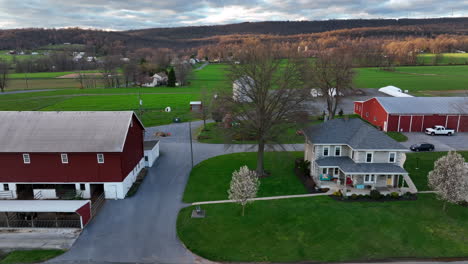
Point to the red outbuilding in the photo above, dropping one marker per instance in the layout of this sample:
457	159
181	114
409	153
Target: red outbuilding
52	155
414	114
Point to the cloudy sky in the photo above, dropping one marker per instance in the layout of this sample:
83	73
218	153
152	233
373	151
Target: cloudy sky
135	14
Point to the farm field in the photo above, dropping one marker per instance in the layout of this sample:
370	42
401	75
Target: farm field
416	79
444	58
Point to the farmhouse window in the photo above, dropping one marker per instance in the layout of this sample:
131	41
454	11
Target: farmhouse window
392	157
325	151
369	178
369	157
338	151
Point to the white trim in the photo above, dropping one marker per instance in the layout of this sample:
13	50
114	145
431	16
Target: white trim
422	125
337	147
328	144
376	173
446	120
411	124
26	158
394	158
399	117
372	157
64	158
372	178
328	151
100	158
458	124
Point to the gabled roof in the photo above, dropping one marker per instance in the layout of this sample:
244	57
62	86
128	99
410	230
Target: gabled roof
353	132
65	132
347	165
424	105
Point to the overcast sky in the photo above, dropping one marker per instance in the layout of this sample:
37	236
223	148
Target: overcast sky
135	14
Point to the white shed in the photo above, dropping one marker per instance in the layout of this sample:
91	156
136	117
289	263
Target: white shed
393	91
151	152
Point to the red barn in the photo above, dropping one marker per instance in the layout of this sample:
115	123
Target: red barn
52	155
415	114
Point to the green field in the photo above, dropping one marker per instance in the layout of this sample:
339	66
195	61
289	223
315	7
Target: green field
210	179
416	79
322	229
44	75
445	58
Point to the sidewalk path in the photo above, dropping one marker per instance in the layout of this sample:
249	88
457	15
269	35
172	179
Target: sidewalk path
267	198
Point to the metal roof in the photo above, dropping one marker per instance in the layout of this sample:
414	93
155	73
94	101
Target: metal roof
353	132
48	132
149	145
42	206
424	105
347	165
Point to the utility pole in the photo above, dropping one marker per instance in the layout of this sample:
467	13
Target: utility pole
191	142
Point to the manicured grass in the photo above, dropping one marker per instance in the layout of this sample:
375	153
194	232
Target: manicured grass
322	229
210	179
43	75
420	164
415	78
397	136
214	134
30	256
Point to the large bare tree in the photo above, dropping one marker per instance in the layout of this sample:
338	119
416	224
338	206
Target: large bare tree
4	68
182	72
267	99
332	75
450	178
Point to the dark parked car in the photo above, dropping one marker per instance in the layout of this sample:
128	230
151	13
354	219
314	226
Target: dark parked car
422	147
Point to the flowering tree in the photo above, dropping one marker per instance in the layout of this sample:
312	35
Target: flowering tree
450	178
244	186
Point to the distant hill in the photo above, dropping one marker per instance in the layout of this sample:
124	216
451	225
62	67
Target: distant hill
190	37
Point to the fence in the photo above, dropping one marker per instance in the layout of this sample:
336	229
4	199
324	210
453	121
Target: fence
97	204
40	223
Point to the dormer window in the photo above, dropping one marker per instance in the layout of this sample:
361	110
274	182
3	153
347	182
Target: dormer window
26	159
338	151
392	157
326	151
369	157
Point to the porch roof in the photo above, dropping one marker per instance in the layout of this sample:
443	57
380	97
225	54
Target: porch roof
347	165
41	206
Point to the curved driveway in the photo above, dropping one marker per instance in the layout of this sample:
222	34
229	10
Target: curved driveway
142	229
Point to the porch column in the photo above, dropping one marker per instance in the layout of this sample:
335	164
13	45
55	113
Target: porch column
344	182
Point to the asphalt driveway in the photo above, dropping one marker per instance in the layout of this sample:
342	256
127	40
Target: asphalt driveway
459	141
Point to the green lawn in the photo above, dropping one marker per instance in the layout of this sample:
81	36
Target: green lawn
397	136
30	256
415	78
210	179
214	135
420	164
322	229
43	75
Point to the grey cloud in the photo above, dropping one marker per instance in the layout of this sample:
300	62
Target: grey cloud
125	14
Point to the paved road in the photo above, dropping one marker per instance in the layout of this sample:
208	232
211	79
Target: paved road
459	141
28	91
142	229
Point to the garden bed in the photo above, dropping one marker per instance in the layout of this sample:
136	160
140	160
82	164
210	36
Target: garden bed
136	185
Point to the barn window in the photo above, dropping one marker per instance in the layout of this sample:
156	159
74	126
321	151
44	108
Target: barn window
100	158
64	158
367	114
6	187
82	186
26	159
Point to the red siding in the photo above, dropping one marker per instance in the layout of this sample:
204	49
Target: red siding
358	108
416	125
47	167
85	213
374	113
452	122
392	123
133	149
433	120
405	123
463	127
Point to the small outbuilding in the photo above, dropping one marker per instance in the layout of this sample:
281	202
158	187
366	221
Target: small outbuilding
393	91
151	152
196	106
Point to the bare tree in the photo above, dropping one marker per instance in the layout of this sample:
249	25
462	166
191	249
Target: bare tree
332	74
450	178
4	68
130	73
109	71
244	186
206	99
271	97
182	72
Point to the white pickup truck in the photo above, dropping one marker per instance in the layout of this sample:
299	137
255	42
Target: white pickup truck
439	130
